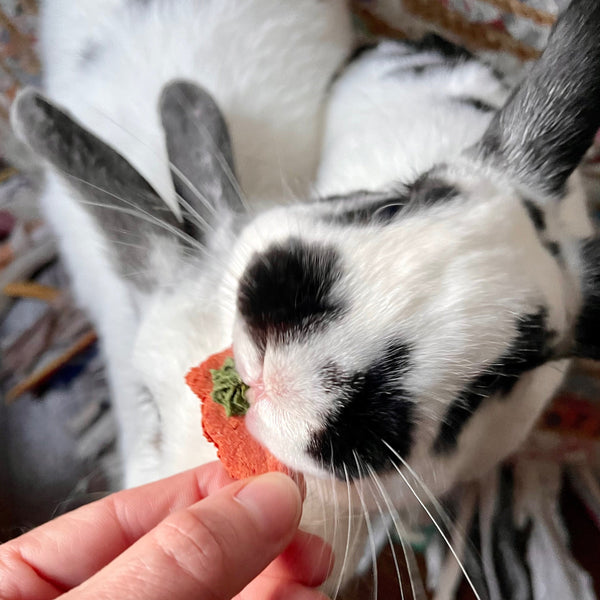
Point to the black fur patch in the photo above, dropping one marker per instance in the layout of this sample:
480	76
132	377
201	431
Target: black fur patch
529	350
447	55
359	51
509	542
434	43
587	327
287	289
536	214
374	407
355	55
553	248
420	69
429	190
473	560
427	54
538	218
370	209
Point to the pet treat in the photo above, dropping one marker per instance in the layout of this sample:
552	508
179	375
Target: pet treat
223	403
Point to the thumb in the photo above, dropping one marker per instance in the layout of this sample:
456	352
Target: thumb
210	550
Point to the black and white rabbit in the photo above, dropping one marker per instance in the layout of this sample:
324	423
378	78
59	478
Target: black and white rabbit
268	64
411	331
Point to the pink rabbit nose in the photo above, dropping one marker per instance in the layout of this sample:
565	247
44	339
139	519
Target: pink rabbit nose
275	388
256	391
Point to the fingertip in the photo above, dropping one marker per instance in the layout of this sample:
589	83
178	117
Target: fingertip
308	560
274	503
306	594
299	592
276	589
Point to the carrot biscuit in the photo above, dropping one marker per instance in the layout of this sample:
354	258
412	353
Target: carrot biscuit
221	393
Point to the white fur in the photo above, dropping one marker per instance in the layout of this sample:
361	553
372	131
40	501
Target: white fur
449	280
453	278
383	126
268	64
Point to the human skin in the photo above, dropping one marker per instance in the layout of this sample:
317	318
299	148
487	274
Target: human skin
197	535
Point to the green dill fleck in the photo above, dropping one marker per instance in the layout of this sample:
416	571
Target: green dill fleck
229	390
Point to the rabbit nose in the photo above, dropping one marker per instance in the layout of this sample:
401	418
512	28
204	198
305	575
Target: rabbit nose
289	289
256	391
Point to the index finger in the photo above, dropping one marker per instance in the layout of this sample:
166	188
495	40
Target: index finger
68	550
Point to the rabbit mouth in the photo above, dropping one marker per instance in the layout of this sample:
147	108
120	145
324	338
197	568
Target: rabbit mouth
275	390
256	392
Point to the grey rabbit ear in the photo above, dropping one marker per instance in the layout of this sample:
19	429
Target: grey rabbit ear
543	131
121	201
199	149
587	327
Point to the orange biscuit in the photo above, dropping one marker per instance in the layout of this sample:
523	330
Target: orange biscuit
241	455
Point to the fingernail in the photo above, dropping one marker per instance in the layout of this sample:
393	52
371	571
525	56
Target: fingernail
274	503
301	483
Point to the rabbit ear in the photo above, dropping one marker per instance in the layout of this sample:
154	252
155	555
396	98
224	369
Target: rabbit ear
549	122
199	149
587	327
120	200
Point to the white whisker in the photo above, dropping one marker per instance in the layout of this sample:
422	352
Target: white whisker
133	210
414	576
373	476
334	502
195	191
450	575
348	535
136	211
222	162
197	217
369	530
437	526
201	197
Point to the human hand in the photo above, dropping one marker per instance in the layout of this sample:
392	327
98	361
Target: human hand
197	535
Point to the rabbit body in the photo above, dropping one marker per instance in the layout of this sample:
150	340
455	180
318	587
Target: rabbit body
401	332
457	272
405	109
268	64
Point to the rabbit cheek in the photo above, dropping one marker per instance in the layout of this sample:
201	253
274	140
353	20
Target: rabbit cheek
374	412
531	348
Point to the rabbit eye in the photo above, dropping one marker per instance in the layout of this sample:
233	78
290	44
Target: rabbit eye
536	214
365	208
430	191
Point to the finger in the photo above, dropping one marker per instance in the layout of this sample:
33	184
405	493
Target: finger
210	550
65	552
275	589
308	560
303	565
